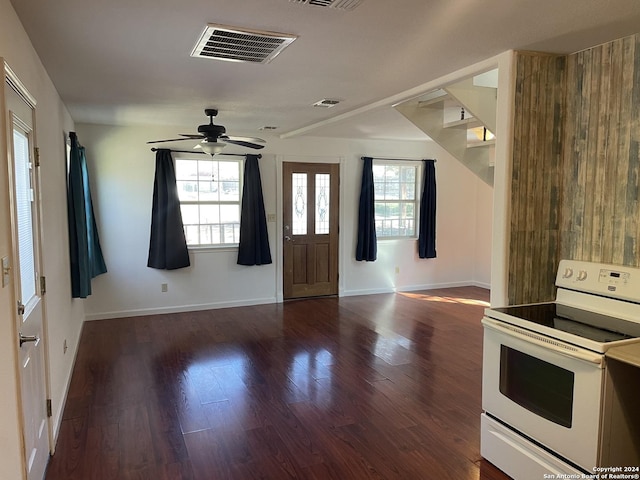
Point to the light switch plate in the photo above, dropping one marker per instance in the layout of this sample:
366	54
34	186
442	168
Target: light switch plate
6	269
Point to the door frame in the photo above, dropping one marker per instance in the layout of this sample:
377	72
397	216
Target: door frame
342	248
11	80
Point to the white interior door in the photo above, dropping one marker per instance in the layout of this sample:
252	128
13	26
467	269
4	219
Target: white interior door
27	273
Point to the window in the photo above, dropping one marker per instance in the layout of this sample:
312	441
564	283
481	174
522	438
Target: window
396	201
210	194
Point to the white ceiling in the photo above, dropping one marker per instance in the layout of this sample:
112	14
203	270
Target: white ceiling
127	62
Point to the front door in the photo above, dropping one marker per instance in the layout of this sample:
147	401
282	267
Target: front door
310	213
26	278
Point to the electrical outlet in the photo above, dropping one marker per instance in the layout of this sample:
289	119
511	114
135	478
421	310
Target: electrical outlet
164	288
271	217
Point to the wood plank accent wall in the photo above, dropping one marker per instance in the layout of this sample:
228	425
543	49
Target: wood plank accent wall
537	181
601	214
576	164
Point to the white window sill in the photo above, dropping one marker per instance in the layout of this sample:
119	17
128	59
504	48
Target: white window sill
197	249
395	239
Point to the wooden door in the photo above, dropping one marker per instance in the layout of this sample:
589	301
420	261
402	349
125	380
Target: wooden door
27	280
310	213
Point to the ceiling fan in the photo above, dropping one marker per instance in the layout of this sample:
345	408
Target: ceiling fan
214	137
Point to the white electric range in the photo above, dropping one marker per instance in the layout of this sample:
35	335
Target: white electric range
543	370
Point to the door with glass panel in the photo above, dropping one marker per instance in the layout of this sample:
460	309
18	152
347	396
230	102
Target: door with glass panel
27	275
310	229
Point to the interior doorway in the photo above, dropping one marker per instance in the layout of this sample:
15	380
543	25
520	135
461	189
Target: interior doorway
310	229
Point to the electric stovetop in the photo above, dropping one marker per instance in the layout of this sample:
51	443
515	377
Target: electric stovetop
582	323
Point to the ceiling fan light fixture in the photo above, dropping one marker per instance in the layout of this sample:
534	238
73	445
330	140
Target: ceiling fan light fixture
212	148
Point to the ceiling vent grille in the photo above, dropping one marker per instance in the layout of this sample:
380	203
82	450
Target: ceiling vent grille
337	4
240	45
327	103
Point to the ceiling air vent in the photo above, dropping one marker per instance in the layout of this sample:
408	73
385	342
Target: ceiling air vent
327	103
240	45
338	4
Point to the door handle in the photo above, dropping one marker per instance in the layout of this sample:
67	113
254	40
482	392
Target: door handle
28	338
287	238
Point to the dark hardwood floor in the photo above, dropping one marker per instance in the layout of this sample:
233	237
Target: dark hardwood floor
379	386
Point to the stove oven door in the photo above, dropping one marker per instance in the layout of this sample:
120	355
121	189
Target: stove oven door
546	390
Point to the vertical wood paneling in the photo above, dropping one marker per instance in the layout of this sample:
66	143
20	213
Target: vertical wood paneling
536	184
600	218
576	164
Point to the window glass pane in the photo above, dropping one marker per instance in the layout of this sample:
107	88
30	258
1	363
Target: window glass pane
230	191
407	191
215	235
205	170
205	234
24	200
229	179
392	191
408	174
190	215
191	234
210	192
299	200
392	173
229	214
322	203
378	173
407	210
209	214
378	188
186	170
187	190
229	231
395	199
236	232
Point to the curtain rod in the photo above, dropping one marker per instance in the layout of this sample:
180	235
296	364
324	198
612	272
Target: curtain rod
400	159
154	149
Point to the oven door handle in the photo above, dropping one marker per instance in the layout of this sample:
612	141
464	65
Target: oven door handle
542	341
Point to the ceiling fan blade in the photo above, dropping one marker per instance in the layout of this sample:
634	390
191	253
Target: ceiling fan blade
172	140
242	139
242	143
192	135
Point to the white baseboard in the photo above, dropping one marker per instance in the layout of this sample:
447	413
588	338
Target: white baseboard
57	422
372	291
178	309
263	301
414	288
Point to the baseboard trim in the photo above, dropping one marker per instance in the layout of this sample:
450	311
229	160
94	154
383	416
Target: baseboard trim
57	422
415	288
178	309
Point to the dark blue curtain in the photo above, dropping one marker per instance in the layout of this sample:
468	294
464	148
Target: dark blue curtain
367	247
86	257
254	239
167	243
427	236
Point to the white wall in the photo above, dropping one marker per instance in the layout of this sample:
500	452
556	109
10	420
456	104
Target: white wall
122	168
64	316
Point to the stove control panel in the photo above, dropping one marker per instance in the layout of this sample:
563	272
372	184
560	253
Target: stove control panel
615	281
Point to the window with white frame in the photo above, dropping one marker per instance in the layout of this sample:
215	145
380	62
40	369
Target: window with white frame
396	198
210	192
